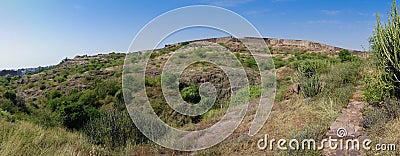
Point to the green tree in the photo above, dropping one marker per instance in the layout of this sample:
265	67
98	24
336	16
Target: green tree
345	55
73	115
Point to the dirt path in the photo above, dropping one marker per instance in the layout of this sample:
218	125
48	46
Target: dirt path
347	126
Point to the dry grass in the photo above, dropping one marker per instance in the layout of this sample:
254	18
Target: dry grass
24	138
389	133
285	120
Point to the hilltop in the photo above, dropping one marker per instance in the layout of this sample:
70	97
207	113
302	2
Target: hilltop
283	45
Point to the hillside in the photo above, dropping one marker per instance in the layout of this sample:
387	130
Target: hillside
81	96
77	73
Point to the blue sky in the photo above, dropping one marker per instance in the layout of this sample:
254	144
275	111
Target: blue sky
43	32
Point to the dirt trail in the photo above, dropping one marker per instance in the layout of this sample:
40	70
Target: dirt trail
348	125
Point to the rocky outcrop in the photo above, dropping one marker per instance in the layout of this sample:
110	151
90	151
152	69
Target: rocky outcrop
287	44
302	45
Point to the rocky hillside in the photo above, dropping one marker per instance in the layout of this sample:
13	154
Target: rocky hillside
79	72
84	94
285	45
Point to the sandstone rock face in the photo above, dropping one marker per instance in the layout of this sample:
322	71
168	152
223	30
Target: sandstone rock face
289	44
285	44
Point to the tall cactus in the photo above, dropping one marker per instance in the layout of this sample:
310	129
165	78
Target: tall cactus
386	47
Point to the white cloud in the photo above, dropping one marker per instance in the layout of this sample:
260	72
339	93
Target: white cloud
362	14
330	12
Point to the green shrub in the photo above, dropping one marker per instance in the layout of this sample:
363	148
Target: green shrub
89	98
345	55
109	87
255	92
8	105
343	74
238	56
224	45
250	62
73	96
42	87
163	51
310	86
313	66
308	76
17	103
53	94
375	90
279	62
73	115
302	55
60	79
10	117
153	81
169	115
191	94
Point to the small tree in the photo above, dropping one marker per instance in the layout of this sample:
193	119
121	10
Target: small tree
345	55
73	115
